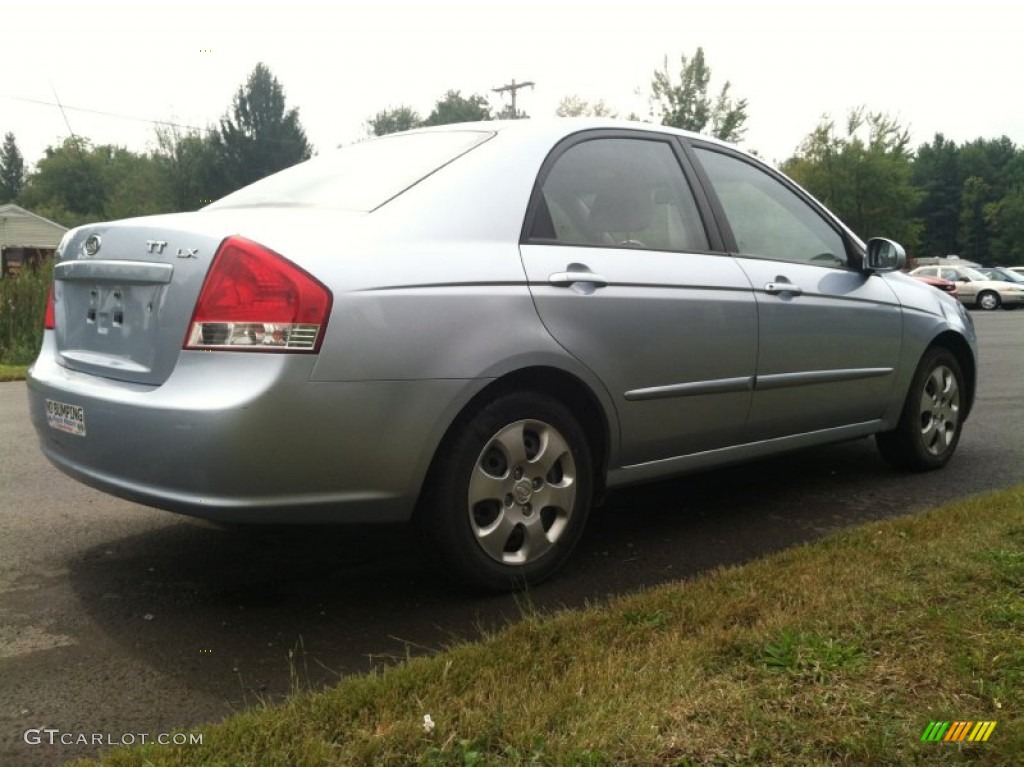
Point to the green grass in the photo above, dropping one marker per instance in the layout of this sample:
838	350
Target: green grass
838	652
12	372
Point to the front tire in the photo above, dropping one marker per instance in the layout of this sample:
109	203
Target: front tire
989	301
509	494
932	418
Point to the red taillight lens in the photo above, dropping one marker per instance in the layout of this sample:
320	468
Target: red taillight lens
50	321
255	299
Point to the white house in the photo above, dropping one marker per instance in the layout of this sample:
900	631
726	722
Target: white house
25	238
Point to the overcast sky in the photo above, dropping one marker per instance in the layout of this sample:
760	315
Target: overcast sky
950	67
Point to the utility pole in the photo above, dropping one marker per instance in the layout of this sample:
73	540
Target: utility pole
512	88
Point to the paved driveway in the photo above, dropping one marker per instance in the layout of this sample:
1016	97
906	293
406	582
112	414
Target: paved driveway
117	619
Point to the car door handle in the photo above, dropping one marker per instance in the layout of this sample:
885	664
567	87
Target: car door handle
565	279
783	287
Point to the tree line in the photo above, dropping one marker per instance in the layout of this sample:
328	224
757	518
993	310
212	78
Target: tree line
940	198
77	181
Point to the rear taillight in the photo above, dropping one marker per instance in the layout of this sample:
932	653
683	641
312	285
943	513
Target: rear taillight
50	321
255	299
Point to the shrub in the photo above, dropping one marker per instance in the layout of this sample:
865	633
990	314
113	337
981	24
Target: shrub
22	308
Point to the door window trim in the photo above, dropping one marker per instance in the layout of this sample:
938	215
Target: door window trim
854	254
716	243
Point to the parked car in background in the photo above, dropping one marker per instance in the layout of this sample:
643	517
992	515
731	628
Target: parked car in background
975	288
1018	270
946	286
480	328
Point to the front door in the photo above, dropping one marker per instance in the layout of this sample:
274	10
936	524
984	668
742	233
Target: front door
829	334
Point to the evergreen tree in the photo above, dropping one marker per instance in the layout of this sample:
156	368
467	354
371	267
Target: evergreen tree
937	174
12	170
260	136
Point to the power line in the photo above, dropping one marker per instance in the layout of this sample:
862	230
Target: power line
62	107
105	114
65	116
93	180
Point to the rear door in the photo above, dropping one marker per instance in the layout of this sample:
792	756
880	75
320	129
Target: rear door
829	334
625	276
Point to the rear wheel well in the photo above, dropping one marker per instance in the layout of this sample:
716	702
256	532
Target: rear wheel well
955	343
564	387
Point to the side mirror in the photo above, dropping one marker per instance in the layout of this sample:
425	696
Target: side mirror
884	255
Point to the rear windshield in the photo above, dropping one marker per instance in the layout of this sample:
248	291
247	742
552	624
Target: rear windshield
359	177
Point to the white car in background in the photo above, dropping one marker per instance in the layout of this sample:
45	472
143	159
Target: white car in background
976	289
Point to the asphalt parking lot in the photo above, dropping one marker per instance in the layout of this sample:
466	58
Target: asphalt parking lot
118	619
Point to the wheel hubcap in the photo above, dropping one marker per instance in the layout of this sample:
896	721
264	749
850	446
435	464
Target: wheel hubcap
940	410
522	492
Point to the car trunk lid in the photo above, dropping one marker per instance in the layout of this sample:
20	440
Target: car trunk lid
124	293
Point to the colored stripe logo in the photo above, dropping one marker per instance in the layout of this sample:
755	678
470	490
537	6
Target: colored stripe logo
959	730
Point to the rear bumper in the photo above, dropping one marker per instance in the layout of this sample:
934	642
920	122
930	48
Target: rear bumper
249	438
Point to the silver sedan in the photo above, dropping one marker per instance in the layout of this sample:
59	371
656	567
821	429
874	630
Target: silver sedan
479	329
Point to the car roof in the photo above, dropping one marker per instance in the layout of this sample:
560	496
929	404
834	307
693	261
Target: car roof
555	128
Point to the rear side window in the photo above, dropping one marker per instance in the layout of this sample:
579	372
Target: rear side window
767	217
618	192
359	177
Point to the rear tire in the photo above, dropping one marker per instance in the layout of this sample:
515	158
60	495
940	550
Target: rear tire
989	301
932	417
508	496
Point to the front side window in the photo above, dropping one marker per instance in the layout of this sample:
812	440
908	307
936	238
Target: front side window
767	217
971	274
618	192
1007	276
